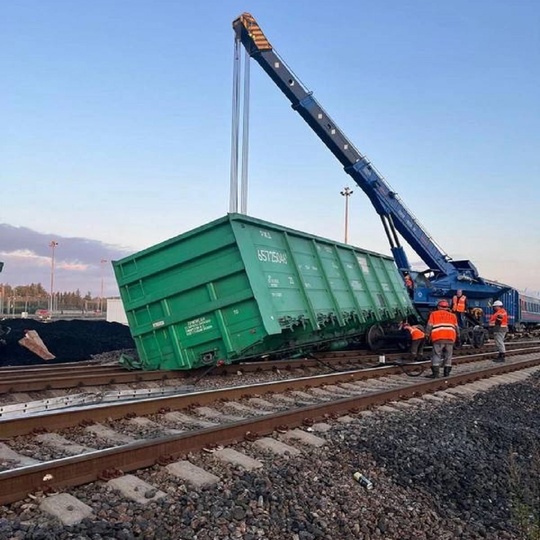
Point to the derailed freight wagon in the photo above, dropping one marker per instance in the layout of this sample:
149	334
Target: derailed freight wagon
240	288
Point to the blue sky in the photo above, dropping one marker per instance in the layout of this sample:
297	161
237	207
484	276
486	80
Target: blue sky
116	122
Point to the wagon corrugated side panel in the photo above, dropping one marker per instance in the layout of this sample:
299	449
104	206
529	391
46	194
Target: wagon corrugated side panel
317	285
240	287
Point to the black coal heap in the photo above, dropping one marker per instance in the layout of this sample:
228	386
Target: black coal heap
68	340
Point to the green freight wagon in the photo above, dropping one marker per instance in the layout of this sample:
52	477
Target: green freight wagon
240	288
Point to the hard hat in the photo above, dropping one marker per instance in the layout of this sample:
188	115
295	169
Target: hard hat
443	303
497	303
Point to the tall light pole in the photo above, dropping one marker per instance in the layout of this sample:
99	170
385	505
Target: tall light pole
346	193
52	245
103	261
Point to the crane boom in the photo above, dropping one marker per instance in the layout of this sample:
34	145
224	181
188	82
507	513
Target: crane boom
393	213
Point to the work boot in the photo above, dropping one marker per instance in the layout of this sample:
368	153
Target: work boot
435	372
500	358
447	370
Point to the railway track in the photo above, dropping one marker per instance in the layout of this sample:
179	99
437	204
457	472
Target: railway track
110	441
75	375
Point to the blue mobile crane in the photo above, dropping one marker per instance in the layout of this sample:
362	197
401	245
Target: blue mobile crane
444	276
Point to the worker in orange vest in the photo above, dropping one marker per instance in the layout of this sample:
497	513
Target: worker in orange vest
418	340
459	305
499	322
443	330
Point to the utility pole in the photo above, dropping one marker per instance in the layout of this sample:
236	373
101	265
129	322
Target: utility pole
52	245
103	261
346	193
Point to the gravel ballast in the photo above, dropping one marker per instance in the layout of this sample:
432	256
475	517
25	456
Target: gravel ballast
465	468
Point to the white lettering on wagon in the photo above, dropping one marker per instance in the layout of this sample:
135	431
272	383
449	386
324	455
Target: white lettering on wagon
363	264
267	255
198	325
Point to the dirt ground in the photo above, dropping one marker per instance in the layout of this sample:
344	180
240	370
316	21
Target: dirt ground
68	340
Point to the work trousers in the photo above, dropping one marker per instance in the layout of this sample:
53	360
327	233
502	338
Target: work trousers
417	348
460	316
498	336
442	353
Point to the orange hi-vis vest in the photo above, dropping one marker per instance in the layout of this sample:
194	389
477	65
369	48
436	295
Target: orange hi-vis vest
499	315
459	303
416	333
443	325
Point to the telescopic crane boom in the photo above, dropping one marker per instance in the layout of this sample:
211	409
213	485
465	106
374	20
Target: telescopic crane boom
447	274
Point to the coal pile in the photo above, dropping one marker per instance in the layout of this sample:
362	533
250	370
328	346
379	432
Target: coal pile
69	340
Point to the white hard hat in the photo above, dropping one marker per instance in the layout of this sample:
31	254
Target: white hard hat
497	303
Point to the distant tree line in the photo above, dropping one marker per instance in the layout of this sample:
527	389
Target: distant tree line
32	297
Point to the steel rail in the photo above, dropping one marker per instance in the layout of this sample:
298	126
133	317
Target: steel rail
73	376
46	367
16	484
21	384
57	420
53	372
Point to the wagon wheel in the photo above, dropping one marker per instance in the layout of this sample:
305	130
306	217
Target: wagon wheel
374	336
479	338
